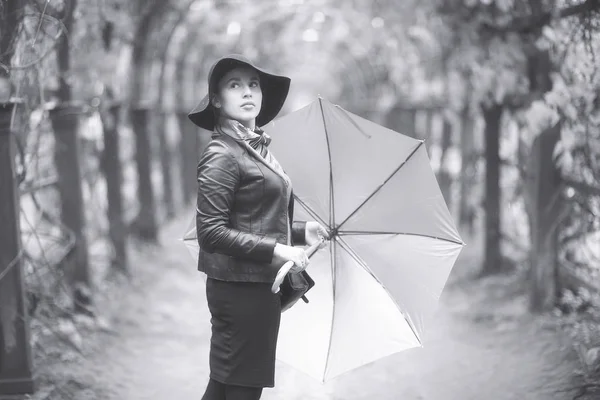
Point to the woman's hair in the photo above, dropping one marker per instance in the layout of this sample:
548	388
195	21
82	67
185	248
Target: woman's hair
216	111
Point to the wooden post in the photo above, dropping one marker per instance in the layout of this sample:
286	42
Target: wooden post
15	353
145	223
65	124
112	169
189	160
159	130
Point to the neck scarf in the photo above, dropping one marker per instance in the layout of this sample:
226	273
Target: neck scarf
257	138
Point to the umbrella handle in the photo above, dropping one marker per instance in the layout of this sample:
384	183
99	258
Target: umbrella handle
288	265
280	275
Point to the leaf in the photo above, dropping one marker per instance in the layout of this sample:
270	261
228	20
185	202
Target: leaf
592	358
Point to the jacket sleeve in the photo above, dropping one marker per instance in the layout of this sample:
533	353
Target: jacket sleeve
218	177
299	233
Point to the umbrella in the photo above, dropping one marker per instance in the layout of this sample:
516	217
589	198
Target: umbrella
190	239
392	239
393	242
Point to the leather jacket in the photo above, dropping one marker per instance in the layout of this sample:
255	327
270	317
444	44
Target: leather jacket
243	209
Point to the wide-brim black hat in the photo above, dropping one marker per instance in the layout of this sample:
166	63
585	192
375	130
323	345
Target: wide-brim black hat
275	89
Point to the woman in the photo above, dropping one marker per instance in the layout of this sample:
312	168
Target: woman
244	225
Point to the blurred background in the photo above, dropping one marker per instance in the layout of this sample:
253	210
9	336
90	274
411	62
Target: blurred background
98	155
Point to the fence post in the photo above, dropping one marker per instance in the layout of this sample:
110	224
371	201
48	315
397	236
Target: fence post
65	124
146	224
159	129
15	352
112	169
187	147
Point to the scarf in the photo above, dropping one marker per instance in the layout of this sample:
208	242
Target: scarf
257	139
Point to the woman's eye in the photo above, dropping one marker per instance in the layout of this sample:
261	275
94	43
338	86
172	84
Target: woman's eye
254	84
234	85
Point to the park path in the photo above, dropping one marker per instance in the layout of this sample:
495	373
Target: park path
483	345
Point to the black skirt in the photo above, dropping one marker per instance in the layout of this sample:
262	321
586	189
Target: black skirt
245	319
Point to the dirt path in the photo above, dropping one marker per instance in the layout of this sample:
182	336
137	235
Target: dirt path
481	348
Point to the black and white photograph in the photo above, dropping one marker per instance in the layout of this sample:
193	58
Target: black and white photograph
299	199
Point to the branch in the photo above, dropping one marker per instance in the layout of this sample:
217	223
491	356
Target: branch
49	50
531	22
582	186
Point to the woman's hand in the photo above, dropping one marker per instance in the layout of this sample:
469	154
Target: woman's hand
283	254
315	232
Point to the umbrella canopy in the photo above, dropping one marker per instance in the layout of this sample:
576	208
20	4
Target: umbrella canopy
393	242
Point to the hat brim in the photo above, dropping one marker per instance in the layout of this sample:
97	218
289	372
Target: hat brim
275	89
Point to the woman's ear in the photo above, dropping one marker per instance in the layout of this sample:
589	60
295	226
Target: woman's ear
215	101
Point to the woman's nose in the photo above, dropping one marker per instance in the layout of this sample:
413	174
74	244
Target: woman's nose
247	91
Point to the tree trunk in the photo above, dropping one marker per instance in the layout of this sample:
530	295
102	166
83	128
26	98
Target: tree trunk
159	131
10	18
150	8
466	213
545	200
546	206
64	55
15	351
493	257
444	178
16	365
187	143
113	173
145	225
403	120
429	135
65	124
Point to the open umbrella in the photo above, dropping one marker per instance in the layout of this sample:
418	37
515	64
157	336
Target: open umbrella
392	239
393	242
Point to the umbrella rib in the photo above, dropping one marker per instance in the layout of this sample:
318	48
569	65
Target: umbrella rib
353	122
331	195
332	261
363	264
381	186
310	211
400	233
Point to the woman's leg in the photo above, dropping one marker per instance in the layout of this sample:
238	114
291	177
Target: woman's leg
233	392
214	391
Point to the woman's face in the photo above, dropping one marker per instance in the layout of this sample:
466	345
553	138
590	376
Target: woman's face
239	96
